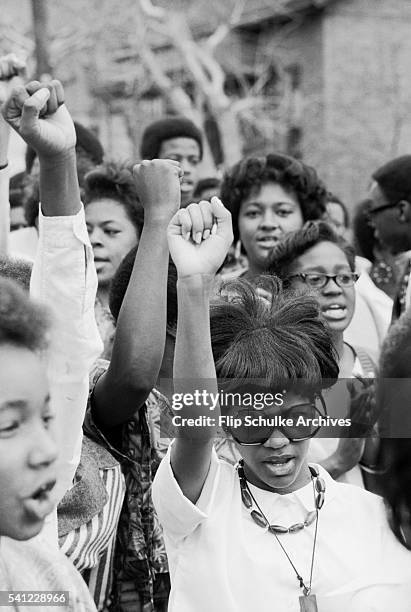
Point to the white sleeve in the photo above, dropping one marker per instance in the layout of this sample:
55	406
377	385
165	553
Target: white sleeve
64	279
4	211
177	514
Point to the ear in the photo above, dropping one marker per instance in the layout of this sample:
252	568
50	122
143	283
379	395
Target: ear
404	208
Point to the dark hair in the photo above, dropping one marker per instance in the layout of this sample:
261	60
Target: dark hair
333	199
16	190
18	270
393	393
31	198
121	280
252	172
22	323
297	243
205	183
165	129
115	181
394	179
285	342
364	238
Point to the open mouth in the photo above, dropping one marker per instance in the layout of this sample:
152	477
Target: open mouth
335	312
281	466
40	503
267	242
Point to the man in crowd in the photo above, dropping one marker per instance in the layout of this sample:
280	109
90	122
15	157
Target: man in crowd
390	215
179	139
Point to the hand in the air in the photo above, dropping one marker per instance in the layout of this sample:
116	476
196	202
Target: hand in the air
158	186
199	237
39	115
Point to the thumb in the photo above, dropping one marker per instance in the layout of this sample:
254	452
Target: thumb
222	217
31	109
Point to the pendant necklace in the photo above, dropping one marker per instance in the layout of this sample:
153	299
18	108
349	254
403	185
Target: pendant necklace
308	601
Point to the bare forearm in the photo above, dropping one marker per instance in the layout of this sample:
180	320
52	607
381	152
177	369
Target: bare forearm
193	362
141	327
4	212
59	189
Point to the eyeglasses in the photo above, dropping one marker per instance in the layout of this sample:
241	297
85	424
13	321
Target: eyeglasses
318	280
301	422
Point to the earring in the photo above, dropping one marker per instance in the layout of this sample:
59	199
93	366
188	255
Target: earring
237	250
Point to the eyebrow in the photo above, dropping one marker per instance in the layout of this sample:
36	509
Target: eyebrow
322	269
19	404
257	203
104	223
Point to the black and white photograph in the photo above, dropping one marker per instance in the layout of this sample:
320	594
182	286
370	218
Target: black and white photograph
205	305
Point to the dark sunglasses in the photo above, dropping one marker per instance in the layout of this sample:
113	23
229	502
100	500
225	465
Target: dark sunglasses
296	424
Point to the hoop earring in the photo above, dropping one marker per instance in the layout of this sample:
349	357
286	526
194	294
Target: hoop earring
237	250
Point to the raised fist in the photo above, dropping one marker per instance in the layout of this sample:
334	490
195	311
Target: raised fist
199	237
158	186
39	115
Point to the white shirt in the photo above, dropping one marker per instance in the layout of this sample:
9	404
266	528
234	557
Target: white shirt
221	561
4	211
64	279
372	314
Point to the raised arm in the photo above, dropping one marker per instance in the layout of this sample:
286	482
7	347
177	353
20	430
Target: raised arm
197	261
10	66
141	326
63	275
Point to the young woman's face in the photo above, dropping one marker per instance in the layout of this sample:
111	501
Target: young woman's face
278	465
28	451
337	303
112	236
265	217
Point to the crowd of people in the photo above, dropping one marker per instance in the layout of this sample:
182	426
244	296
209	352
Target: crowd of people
124	286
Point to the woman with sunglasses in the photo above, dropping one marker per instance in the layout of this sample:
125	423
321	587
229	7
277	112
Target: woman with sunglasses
275	533
316	259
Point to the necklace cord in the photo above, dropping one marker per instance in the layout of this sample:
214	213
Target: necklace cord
306	589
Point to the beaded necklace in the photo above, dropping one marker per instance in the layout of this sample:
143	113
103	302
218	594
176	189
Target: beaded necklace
308	602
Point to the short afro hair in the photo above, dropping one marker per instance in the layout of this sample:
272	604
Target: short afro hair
22	323
121	280
284	343
296	243
165	129
115	181
251	173
211	182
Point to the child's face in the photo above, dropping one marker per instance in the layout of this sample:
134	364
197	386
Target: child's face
278	465
28	451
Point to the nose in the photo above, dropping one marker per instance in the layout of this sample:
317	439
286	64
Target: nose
331	287
277	440
186	166
96	237
269	220
43	452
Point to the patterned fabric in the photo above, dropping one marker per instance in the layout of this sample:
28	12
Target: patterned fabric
140	554
106	327
88	518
